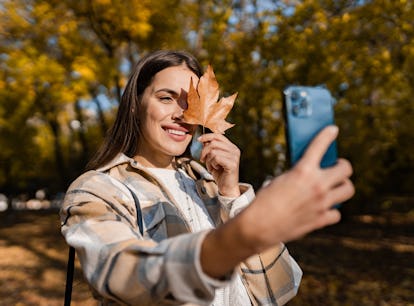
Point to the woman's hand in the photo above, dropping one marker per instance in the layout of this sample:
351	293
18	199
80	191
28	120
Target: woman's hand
222	159
302	199
289	207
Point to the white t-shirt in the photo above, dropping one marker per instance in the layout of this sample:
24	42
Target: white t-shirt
183	189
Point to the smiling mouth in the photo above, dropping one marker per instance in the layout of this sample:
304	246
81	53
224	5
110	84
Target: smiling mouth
175	132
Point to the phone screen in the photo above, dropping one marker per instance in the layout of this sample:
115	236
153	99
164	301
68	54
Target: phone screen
307	110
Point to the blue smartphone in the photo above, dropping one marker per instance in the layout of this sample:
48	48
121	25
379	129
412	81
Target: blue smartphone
307	110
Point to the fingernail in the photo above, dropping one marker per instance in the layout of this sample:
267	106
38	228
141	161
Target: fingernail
334	129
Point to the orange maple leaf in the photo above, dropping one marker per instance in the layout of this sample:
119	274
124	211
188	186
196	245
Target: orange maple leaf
203	108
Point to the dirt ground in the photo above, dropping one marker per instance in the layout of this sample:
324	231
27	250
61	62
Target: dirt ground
366	260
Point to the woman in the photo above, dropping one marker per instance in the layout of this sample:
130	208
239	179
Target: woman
206	239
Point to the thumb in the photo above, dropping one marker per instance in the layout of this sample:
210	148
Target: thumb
319	145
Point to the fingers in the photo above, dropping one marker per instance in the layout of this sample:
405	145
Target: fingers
219	161
319	145
321	220
328	217
218	150
336	174
212	136
340	193
216	157
222	159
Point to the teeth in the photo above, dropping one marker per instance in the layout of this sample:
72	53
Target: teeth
175	132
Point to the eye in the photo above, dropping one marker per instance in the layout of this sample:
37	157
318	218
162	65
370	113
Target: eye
166	99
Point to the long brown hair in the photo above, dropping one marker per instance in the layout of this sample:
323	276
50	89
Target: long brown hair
123	136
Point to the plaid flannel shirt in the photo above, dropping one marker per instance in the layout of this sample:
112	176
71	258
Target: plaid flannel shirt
160	267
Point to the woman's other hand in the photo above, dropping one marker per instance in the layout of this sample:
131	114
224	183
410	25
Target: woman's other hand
222	159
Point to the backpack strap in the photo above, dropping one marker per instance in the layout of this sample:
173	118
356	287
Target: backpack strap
71	258
69	275
139	212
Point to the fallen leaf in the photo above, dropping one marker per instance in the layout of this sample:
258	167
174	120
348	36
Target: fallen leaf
203	108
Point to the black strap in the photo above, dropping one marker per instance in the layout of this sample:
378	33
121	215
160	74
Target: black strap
139	212
71	260
69	276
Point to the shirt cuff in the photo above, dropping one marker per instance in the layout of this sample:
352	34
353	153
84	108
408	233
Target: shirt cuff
233	206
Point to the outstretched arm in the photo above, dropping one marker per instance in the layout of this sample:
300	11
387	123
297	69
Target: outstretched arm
291	206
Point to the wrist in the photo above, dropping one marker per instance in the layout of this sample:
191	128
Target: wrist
223	249
262	230
233	192
249	233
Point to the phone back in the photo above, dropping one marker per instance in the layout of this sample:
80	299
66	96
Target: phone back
307	110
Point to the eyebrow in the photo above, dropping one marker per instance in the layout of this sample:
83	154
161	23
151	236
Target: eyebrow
168	90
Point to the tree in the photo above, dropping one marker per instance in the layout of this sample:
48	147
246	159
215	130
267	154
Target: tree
64	65
64	53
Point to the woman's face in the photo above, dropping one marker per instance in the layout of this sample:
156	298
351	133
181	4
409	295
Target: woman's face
163	134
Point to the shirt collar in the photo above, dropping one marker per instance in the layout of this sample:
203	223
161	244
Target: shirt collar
119	159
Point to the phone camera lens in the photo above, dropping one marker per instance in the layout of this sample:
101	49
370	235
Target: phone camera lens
295	95
304	103
295	110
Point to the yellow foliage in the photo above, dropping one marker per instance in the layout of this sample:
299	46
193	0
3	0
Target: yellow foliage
320	16
67	27
387	68
385	54
43	139
11	17
346	17
103	2
308	31
130	16
85	67
48	70
409	49
406	27
41	9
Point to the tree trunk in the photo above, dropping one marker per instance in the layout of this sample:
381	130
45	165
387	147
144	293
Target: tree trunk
81	133
101	117
59	160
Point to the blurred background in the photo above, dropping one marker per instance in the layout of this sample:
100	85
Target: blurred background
63	67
